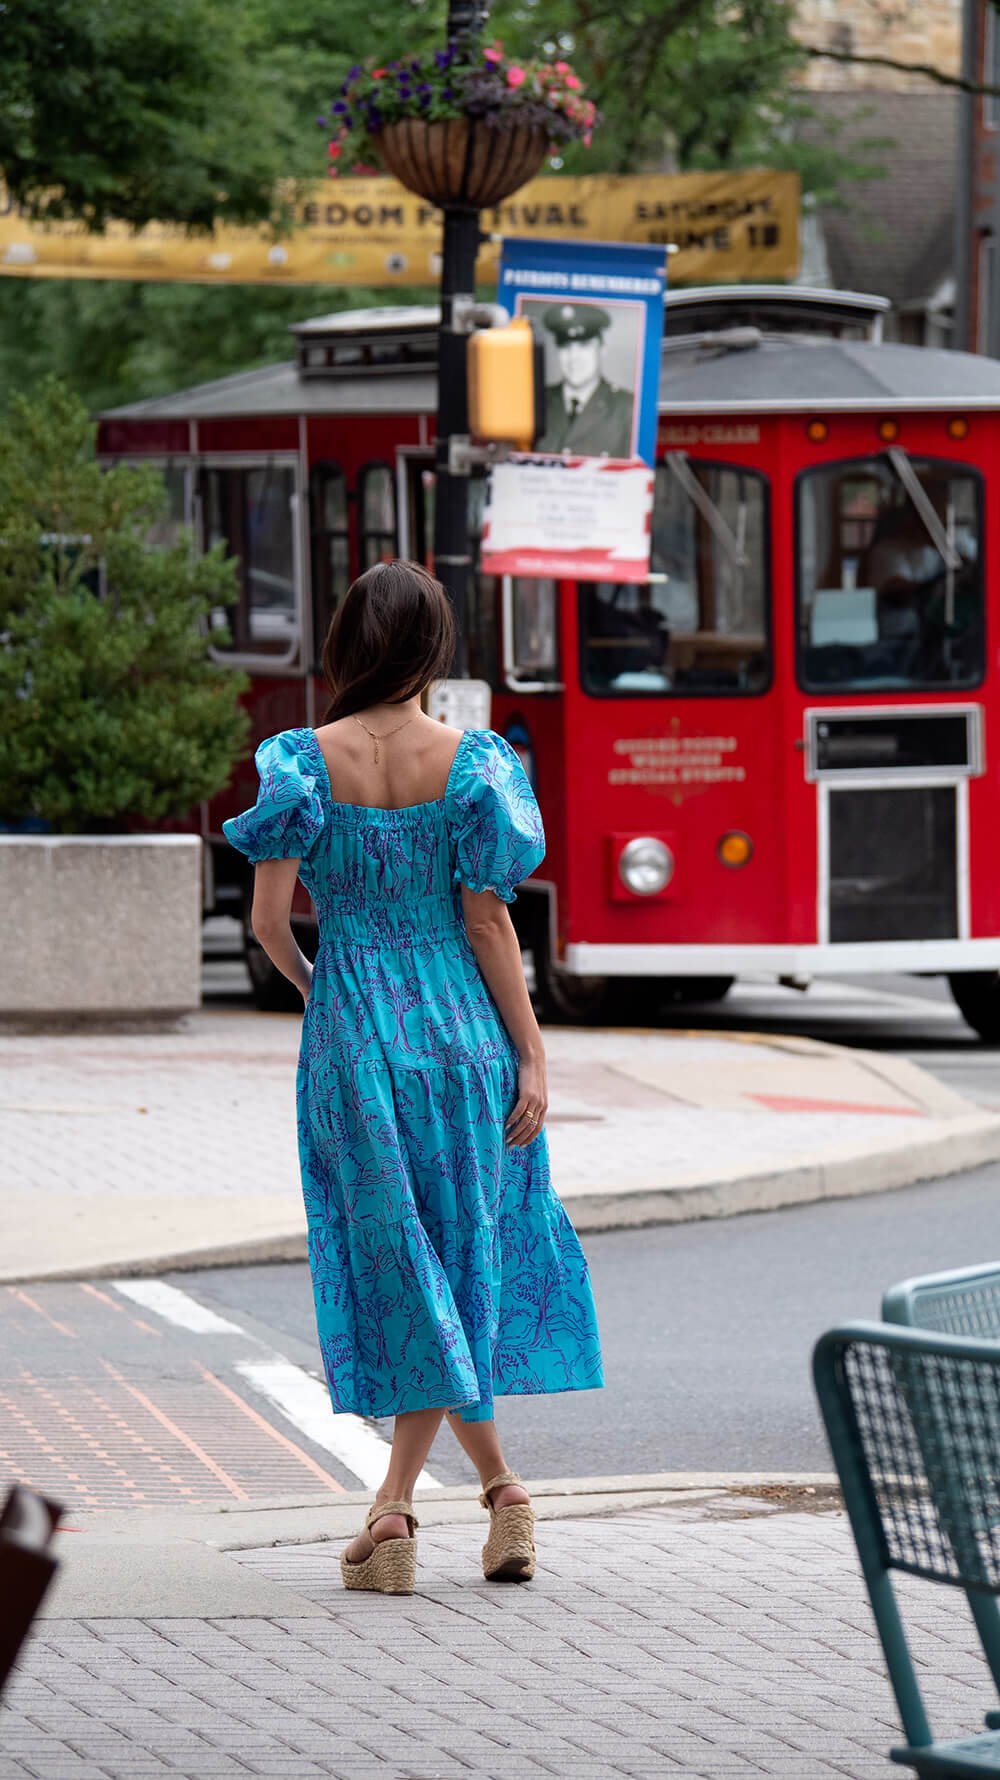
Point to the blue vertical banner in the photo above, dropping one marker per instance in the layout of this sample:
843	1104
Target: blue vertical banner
598	307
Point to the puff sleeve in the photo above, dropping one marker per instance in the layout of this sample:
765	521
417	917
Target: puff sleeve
287	818
496	824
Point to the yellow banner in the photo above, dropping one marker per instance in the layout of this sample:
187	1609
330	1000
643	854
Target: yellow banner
725	226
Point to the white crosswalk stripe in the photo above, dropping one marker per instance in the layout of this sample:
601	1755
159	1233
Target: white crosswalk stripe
299	1397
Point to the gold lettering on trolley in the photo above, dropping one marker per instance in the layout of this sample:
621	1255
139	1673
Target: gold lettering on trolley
678	760
713	434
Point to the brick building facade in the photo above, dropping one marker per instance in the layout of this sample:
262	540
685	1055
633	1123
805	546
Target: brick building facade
927	31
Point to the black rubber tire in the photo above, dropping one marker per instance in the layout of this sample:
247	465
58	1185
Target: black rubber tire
563	1000
685	989
977	997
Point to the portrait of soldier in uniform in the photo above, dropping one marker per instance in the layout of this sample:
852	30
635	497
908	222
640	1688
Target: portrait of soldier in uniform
585	412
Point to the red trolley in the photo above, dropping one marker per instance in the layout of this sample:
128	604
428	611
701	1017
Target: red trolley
774	757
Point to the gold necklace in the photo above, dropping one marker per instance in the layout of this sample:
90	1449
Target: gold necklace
380	738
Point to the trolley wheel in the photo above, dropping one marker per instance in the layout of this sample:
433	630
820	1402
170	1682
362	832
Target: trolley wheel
562	999
977	996
685	989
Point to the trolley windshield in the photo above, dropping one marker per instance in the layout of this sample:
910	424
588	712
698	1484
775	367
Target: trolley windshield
890	591
701	624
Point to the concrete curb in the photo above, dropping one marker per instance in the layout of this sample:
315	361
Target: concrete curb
963	1144
968	1143
316	1516
184	1563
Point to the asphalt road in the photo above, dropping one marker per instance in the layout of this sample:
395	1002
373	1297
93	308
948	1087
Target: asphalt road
707	1329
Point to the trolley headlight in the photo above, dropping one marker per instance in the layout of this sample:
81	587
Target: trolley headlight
645	865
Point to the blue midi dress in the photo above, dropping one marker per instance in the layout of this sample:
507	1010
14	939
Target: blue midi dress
445	1269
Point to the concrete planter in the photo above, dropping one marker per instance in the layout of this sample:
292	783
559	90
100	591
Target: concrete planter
99	928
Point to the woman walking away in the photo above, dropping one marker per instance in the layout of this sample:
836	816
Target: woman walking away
445	1270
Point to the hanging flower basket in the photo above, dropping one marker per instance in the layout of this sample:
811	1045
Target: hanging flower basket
467	124
460	160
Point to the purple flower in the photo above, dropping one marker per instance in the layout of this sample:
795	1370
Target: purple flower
322	120
447	93
442	58
339	107
353	73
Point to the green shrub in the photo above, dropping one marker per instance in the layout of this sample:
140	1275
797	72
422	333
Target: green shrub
112	711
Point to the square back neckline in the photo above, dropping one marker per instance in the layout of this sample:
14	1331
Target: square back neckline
379	809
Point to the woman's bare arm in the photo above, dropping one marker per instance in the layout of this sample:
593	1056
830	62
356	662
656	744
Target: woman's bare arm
494	943
270	917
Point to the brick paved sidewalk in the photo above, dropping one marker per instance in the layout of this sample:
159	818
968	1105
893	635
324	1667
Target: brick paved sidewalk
143	1151
716	1641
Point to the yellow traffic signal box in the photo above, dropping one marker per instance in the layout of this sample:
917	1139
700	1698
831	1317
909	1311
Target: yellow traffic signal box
506	369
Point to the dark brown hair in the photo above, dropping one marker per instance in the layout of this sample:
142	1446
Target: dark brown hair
392	634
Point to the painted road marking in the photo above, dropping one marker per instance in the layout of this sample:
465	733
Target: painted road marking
272	1433
301	1399
305	1402
175	1306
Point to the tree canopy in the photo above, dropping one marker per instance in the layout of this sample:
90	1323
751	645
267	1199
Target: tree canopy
111	706
187	111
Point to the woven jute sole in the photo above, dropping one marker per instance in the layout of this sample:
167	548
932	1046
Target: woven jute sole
391	1569
509	1552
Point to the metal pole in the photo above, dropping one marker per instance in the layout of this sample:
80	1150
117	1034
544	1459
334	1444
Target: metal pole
452	556
963	334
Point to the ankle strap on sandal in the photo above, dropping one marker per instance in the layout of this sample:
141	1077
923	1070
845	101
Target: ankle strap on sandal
379	1510
496	1483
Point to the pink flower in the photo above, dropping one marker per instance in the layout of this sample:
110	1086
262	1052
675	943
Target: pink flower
516	77
574	83
494	53
334	150
562	68
587	138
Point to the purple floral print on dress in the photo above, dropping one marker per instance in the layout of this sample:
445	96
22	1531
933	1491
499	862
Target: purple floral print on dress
445	1269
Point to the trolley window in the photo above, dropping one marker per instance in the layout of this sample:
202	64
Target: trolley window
377	501
172	521
889	575
330	541
702	625
251	511
168	529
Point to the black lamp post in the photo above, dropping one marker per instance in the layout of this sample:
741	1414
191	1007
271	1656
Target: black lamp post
452	556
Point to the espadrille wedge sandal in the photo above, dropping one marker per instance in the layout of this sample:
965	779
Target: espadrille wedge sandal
392	1567
509	1552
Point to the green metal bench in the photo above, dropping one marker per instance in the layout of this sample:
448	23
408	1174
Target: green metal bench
964	1302
913	1420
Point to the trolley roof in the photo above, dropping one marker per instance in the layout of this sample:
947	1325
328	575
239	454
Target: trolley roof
788	352
767	374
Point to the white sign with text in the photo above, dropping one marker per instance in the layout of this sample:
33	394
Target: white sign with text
569	518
